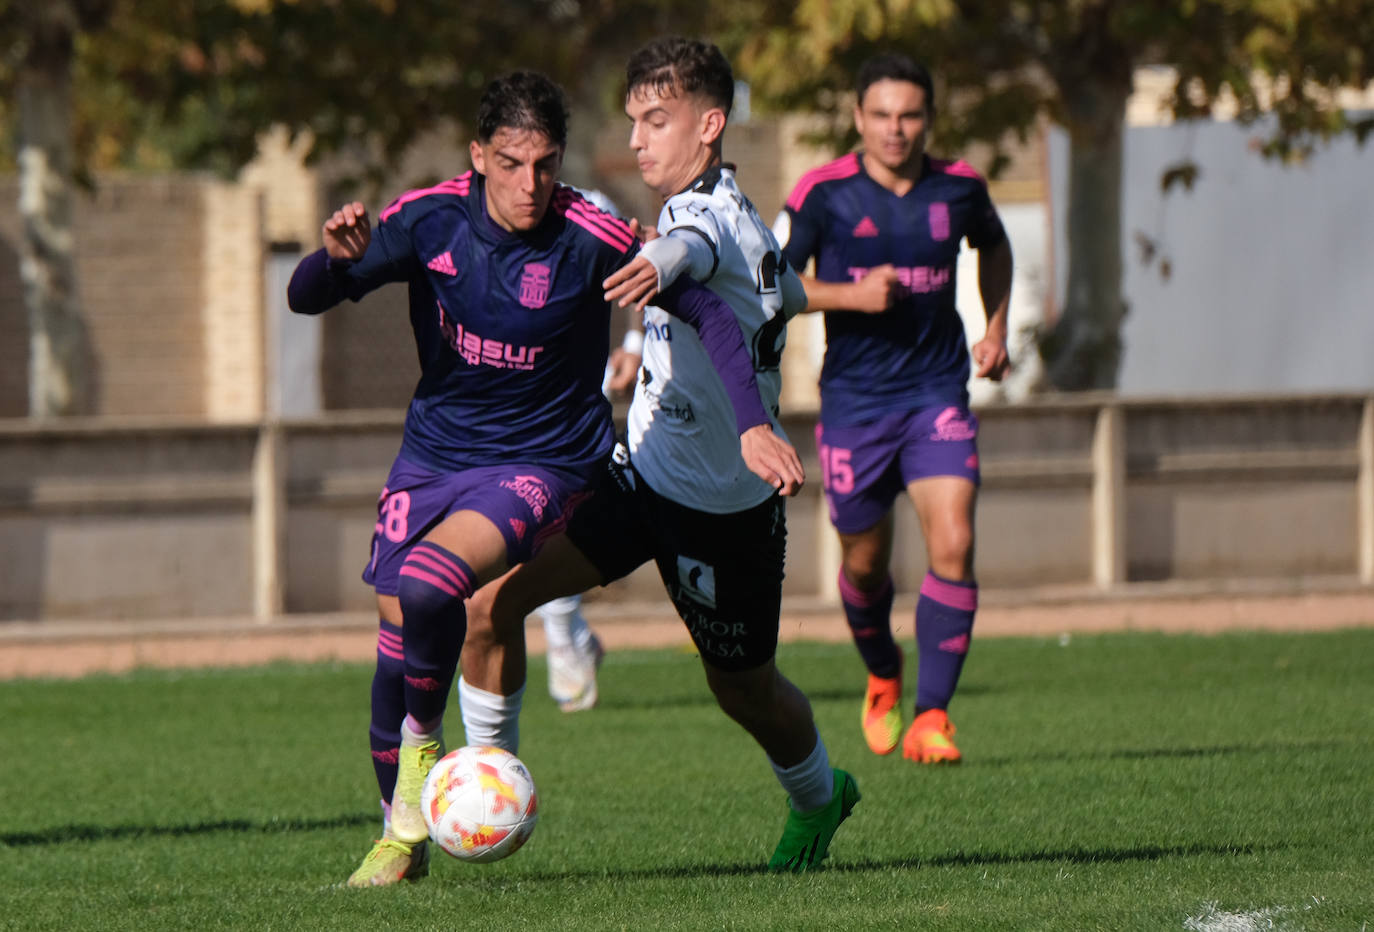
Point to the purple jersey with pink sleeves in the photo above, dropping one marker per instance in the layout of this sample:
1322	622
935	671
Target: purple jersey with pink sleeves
914	355
511	329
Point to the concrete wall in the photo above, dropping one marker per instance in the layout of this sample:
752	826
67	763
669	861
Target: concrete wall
1261	277
139	519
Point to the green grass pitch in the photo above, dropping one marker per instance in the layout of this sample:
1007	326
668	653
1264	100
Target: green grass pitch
1124	781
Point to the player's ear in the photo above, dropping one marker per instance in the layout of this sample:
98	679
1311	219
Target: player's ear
712	125
479	162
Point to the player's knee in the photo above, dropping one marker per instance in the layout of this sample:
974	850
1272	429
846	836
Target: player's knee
866	575
951	552
433	583
744	695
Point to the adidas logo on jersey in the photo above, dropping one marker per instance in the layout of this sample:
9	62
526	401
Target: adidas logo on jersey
443	264
866	228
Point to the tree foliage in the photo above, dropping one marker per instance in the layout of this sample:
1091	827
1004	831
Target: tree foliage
193	83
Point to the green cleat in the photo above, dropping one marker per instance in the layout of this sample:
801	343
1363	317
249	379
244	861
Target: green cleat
806	837
415	763
391	861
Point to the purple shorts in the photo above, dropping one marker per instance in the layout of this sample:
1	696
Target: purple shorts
528	503
864	467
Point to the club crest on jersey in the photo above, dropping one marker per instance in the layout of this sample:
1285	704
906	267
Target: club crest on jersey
534	285
939	221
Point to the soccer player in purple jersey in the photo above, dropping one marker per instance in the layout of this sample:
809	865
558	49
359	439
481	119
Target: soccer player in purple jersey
508	424
676	492
884	226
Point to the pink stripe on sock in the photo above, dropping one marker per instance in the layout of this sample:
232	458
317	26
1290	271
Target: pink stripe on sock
860	599
445	558
445	568
441	584
954	595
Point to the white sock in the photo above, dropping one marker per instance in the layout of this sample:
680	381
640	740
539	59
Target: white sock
489	718
810	784
564	625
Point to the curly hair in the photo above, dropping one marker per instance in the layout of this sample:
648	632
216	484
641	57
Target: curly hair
682	66
523	100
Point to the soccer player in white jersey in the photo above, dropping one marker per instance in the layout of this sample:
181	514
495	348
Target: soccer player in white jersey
679	494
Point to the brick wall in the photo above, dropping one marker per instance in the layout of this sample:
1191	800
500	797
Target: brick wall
139	268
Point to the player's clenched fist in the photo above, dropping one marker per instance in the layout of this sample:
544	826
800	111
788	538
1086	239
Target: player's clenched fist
878	290
347	232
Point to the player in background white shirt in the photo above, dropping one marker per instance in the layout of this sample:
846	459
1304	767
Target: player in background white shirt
680	495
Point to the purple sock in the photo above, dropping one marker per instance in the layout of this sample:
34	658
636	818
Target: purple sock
944	622
433	585
870	621
388	707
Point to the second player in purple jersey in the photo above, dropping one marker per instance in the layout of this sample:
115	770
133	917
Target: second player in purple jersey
913	355
884	226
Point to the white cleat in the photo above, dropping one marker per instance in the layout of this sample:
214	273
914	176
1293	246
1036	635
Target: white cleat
572	675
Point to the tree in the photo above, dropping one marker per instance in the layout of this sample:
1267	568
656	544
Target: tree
194	83
38	63
1004	64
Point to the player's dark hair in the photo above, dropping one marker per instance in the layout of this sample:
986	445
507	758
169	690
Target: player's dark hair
675	66
893	66
523	100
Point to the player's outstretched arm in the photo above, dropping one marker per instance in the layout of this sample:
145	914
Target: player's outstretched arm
772	459
315	285
662	261
354	261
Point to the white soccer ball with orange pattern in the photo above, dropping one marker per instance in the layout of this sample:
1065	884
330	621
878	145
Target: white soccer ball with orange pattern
480	804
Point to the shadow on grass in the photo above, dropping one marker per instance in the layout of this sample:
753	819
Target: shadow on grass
851	693
1071	855
1218	750
957	859
67	834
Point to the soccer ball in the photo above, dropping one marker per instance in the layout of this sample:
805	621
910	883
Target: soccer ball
479	804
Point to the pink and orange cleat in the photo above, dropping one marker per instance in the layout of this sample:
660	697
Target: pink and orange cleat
929	740
882	715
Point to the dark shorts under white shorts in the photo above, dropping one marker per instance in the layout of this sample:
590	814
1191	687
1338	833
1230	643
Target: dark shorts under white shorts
723	572
864	467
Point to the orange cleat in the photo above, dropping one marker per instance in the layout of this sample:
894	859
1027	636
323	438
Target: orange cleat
929	739
882	716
